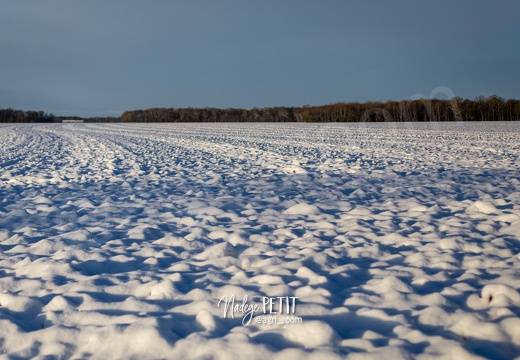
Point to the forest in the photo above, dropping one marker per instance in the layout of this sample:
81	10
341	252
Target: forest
32	116
493	108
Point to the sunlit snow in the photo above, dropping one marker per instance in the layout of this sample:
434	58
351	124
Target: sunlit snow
376	240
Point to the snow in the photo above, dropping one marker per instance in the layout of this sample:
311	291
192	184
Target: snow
366	241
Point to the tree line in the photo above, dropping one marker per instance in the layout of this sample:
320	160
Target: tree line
493	108
21	116
32	116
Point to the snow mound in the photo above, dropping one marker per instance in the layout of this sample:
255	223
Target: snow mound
206	320
495	295
23	307
302	209
58	303
468	326
500	295
310	276
164	290
311	334
294	169
513	229
483	207
216	251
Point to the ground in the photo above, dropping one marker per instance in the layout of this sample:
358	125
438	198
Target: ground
377	240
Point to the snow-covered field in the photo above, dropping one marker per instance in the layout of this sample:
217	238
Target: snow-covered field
378	241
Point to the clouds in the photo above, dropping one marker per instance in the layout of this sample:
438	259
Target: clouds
99	55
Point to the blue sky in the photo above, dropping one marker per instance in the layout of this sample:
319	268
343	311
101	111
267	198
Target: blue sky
95	57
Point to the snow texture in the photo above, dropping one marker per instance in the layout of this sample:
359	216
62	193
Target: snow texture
398	240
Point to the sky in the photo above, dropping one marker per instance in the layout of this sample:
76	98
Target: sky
102	57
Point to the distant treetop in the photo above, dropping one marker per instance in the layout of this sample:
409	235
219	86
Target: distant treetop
493	108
